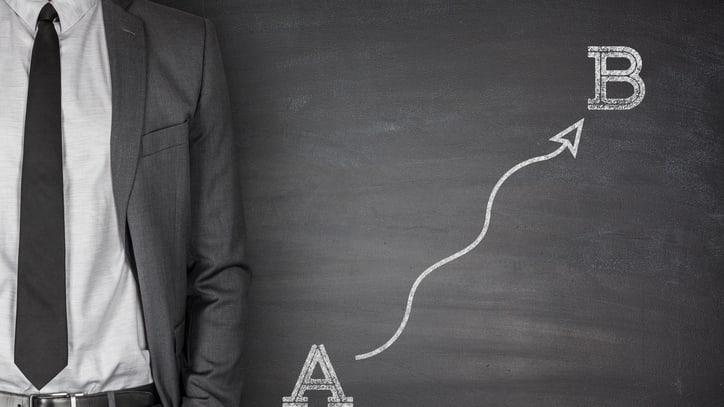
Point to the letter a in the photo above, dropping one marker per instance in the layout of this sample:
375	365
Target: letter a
605	75
317	356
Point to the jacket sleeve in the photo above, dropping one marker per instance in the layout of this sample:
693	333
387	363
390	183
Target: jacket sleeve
217	274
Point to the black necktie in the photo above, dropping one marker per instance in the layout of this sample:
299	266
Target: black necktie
41	333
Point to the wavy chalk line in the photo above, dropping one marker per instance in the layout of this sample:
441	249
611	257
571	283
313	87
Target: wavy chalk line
565	144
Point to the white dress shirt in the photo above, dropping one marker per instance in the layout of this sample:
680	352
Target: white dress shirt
106	339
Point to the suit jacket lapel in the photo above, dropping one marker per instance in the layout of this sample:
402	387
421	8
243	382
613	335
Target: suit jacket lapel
126	42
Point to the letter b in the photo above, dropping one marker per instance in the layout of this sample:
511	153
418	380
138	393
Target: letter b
604	75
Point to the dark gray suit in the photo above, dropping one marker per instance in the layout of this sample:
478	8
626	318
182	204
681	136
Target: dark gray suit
177	191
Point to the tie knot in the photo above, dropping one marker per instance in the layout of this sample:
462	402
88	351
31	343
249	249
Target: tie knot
47	13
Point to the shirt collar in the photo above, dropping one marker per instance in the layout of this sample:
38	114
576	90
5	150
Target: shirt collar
69	11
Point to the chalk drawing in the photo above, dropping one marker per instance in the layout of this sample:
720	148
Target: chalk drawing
604	75
317	356
561	138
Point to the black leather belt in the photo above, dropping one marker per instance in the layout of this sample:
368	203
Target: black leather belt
141	396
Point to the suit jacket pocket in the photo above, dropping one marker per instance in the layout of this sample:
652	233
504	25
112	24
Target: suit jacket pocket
163	138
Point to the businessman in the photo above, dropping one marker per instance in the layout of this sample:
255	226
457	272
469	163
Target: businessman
123	277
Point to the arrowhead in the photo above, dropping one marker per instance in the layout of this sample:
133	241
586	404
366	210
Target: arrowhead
567	137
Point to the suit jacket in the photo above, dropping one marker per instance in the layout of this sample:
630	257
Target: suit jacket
177	191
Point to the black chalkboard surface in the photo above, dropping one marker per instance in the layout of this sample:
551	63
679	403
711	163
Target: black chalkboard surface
371	136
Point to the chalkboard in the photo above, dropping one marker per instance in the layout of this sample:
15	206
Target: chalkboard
371	137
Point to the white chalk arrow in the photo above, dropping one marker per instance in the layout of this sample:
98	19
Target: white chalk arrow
568	140
561	138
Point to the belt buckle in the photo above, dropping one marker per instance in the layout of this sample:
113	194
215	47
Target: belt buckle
72	397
